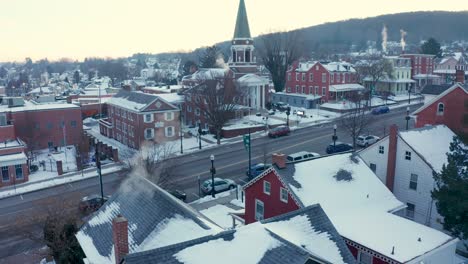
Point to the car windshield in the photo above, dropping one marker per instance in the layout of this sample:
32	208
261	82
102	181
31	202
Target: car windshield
360	138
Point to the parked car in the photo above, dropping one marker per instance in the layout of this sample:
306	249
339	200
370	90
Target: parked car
338	147
281	106
92	202
365	141
257	169
271	112
279	131
380	110
179	194
301	156
220	185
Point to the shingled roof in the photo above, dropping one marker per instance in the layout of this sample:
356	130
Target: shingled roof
155	219
242	29
138	101
435	89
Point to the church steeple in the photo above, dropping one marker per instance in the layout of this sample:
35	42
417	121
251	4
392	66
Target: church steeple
242	30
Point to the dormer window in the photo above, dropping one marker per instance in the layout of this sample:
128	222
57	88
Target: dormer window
440	109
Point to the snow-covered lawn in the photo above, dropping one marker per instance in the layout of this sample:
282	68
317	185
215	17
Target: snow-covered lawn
34	186
345	105
404	97
66	154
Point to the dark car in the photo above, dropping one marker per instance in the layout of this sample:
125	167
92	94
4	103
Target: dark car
92	202
257	169
338	147
279	131
281	106
179	195
380	110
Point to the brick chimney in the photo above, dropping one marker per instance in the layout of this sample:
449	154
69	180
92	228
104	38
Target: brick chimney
391	162
279	160
120	237
460	76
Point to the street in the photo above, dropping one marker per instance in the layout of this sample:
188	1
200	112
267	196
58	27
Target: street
231	161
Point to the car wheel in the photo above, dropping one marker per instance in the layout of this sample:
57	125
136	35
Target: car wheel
231	187
366	145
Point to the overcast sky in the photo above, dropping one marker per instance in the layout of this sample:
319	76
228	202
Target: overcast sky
115	28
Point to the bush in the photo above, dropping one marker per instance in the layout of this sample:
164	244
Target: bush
33	168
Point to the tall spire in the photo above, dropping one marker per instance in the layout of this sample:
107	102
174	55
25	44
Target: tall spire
242	24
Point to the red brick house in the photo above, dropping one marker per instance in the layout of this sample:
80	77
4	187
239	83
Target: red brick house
135	117
422	68
44	125
449	108
13	161
357	203
332	81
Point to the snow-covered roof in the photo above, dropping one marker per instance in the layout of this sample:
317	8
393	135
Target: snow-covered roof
31	106
336	66
172	98
346	87
155	219
252	79
136	101
360	206
435	152
164	88
305	96
39	90
207	74
13	159
423	76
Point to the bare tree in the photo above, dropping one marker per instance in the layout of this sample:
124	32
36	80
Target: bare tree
373	72
277	51
356	121
217	99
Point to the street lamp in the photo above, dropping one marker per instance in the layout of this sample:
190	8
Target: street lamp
409	95
199	135
334	137
213	172
181	133
407	118
288	112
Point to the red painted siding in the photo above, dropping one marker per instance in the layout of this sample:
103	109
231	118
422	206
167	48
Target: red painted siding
455	114
272	203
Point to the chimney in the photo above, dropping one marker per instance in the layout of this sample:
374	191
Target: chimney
279	160
391	162
460	76
120	237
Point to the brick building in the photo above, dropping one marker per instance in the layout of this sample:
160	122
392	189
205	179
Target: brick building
422	69
13	161
45	125
135	117
449	108
331	81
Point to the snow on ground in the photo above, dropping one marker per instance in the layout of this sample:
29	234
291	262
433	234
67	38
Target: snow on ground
345	105
174	230
208	198
34	186
299	231
435	152
220	215
66	154
238	203
404	97
238	250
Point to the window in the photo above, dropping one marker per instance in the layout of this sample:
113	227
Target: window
49	125
289	76
189	108
297	76
303	89
338	77
37	126
130	116
324	77
169	116
413	184
407	155
73	123
316	90
19	171
303	76
381	149
373	167
289	89
440	109
311	77
259	210
332	79
169	131
266	187
5	175
283	195
148	118
364	258
297	88
197	111
324	90
149	132
3	121
50	144
311	90
410	210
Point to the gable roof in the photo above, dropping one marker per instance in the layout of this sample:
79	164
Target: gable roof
435	89
249	244
242	29
455	86
434	153
155	219
311	229
360	206
137	101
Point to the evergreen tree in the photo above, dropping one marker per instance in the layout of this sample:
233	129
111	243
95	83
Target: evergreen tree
451	192
431	46
208	59
76	77
3	72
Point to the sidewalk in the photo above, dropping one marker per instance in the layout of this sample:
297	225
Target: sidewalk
27	187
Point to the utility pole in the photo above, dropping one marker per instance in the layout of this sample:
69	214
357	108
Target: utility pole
199	135
250	155
181	133
98	166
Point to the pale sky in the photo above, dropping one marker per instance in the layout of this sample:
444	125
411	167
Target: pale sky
116	28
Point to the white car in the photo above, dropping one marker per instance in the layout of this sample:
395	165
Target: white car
301	156
220	185
365	141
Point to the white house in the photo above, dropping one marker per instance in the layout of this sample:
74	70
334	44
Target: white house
405	162
256	90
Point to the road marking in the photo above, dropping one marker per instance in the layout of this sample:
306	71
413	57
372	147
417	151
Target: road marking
21	196
71	186
254	157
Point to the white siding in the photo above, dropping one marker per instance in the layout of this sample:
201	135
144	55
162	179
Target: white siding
372	155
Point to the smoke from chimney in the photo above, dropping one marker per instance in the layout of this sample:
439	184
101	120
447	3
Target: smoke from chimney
402	41
220	62
384	39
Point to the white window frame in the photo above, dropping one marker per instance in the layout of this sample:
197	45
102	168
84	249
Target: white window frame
2	169
169	116
408	213
197	111
152	133
266	190
439	112
297	76
407	155
148	121
20	167
284	195
166	129
258	202
324	77
381	150
311	77
189	108
413	181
